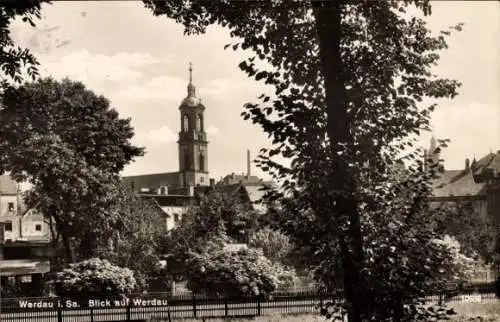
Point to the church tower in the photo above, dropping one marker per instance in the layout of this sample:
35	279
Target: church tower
193	161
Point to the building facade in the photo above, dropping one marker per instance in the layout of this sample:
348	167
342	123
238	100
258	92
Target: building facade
25	237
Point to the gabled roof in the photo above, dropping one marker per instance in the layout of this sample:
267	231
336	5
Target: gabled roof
253	192
485	161
494	163
458	183
256	194
7	185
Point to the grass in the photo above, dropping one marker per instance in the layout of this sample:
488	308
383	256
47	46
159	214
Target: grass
484	311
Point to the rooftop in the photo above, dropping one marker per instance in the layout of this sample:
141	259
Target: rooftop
7	185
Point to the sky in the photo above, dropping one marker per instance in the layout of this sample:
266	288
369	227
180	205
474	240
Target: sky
140	62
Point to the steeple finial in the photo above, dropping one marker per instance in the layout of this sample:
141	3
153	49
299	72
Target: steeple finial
190	73
191	88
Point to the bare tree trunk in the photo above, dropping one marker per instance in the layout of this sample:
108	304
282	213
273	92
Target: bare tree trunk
328	25
70	254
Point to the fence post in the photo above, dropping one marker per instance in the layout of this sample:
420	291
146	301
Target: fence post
91	315
497	287
59	314
194	305
226	313
128	312
258	306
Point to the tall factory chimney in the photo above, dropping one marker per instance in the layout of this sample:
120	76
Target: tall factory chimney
248	164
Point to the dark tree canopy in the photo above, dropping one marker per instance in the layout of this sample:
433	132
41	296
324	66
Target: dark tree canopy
15	60
132	240
68	143
475	232
350	78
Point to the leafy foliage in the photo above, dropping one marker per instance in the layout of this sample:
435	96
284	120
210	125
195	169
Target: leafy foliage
474	231
14	60
218	218
465	265
349	79
132	240
245	272
71	146
275	245
94	278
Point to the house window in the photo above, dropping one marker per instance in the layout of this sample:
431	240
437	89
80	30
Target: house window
8	226
26	279
11	206
38	227
176	218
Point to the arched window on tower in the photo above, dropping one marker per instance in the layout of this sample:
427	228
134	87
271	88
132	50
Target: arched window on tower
202	161
185	123
199	122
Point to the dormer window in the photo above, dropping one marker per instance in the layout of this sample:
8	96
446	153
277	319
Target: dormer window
11	206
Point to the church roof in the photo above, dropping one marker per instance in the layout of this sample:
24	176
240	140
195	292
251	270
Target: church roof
137	182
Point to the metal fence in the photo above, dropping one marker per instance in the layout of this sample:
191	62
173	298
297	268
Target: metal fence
165	307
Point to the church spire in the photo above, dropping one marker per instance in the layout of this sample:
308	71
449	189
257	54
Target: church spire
191	88
433	144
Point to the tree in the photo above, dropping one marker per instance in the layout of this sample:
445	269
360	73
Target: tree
349	77
93	279
465	265
475	233
275	245
218	216
71	146
132	240
244	272
14	61
217	220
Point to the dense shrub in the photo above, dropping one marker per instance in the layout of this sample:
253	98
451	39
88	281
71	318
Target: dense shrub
244	272
94	278
275	245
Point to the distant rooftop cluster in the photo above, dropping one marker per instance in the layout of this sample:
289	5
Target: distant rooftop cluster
473	179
